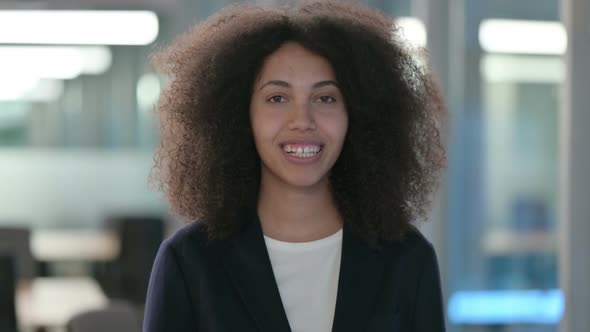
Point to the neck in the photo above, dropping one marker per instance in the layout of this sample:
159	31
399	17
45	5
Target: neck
294	214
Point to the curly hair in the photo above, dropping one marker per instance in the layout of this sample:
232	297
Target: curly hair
207	164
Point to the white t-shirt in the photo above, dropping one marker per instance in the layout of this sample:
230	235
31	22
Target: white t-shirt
307	276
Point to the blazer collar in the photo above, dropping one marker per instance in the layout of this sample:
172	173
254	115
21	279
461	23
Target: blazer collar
361	275
249	267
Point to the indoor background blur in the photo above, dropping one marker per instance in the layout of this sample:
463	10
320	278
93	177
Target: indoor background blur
78	130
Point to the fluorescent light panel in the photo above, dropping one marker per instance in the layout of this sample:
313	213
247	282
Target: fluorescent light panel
507	307
148	91
523	37
45	90
78	27
30	89
58	62
413	30
14	88
522	68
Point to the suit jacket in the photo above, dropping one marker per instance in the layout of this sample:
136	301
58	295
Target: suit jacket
228	285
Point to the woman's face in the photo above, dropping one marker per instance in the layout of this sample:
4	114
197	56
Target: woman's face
298	117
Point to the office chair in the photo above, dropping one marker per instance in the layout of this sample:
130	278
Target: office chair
127	277
15	241
117	317
7	291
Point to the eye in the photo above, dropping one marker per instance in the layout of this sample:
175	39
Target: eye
326	99
276	99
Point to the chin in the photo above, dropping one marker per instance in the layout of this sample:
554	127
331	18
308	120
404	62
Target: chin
305	181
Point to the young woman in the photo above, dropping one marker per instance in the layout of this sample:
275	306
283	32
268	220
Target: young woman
303	143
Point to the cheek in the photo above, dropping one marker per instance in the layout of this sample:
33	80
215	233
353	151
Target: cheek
344	128
262	129
339	127
256	123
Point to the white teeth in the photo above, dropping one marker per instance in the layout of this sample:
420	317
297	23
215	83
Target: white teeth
302	152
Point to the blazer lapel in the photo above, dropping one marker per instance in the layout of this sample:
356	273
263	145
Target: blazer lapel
248	265
361	276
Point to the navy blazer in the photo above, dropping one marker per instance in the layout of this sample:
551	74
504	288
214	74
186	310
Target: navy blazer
228	285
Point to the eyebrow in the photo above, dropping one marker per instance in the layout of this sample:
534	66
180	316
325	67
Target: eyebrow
287	85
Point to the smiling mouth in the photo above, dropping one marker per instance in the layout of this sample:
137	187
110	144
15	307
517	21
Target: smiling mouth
302	150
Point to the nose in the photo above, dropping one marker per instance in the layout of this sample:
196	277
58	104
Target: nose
302	117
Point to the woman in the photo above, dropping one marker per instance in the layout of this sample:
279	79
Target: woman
303	140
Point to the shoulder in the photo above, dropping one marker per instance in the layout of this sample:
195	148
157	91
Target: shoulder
415	241
414	265
169	304
189	241
414	248
420	276
193	233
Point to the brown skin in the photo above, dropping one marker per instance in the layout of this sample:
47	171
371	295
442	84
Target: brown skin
391	158
296	101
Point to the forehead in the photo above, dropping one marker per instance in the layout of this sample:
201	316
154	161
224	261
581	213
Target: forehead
293	61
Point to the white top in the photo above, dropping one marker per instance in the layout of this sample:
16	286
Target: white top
307	277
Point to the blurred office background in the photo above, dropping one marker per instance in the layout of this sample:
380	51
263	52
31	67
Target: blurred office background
78	130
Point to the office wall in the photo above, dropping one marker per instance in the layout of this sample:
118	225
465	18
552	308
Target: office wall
47	188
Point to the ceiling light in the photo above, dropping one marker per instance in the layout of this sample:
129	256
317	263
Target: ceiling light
528	37
58	62
413	30
522	68
16	87
78	27
31	90
148	90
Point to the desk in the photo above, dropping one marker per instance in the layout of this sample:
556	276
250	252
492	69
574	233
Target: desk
52	302
74	245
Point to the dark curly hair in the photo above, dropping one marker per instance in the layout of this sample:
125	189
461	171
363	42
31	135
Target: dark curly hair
207	164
